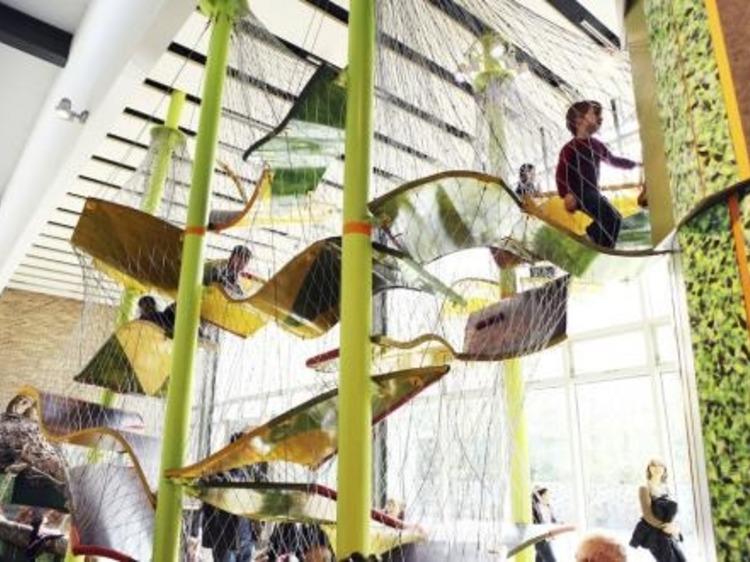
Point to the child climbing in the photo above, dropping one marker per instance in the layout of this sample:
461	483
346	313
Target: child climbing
228	273
578	172
526	186
149	311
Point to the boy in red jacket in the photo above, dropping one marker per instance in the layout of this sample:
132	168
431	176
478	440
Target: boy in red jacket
578	172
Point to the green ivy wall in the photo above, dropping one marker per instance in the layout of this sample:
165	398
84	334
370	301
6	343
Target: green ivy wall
701	160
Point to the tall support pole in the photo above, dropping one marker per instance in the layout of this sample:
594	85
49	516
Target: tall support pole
355	410
179	394
169	137
514	396
650	129
545	157
492	78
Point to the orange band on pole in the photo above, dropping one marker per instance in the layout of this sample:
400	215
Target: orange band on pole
197	230
740	252
358	227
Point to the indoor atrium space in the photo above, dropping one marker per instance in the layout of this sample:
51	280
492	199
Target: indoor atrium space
375	281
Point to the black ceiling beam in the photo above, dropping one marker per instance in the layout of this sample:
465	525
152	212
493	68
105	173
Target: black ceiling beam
423	115
201	59
166	89
342	15
33	36
587	22
478	28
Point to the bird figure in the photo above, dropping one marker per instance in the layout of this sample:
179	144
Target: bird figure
24	450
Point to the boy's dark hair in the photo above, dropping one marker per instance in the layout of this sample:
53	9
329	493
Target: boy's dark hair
147	302
241	252
579	109
313	535
357	557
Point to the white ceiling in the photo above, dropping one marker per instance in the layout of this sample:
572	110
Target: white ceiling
20	104
63	14
116	43
59	162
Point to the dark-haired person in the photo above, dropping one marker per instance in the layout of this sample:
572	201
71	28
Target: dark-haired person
229	272
357	557
149	311
577	174
526	186
541	510
297	542
231	538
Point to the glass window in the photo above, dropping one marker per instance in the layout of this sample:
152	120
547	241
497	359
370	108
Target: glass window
658	289
679	461
550	449
547	364
592	307
610	353
619	434
666	344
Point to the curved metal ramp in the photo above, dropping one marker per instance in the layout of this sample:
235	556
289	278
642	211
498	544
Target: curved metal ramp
515	538
300	148
113	517
142	252
307	503
515	326
307	434
70	421
452	211
137	358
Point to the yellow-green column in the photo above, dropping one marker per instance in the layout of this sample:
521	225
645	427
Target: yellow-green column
514	396
167	137
650	127
355	411
489	83
179	394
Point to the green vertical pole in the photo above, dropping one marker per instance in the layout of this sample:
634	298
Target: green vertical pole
172	137
492	77
169	137
520	466
355	411
179	394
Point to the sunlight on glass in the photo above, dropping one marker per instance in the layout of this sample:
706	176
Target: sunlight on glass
610	353
593	307
619	434
550	449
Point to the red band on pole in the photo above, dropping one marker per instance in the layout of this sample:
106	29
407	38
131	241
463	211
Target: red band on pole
358	227
197	230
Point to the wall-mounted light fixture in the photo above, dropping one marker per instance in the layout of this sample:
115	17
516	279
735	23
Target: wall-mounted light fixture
64	110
